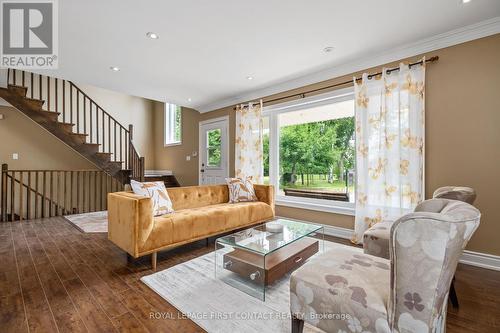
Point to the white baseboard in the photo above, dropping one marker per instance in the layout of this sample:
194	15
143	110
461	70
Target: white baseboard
483	260
477	259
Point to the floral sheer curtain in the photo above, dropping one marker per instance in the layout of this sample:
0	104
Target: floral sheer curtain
389	146
248	149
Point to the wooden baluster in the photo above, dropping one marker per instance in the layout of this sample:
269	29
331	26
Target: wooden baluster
109	134
78	111
97	123
56	94
121	145
4	190
65	193
14	76
28	197
8	75
71	192
12	193
89	191
84	114
22	78
78	191
40	87
21	192
83	192
71	104
95	191
32	84
48	94
36	194
103	134
64	100
44	195
51	193
58	192
91	123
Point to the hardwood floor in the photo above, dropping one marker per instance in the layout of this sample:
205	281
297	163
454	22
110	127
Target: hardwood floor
53	278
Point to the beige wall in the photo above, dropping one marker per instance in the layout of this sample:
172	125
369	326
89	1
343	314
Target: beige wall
174	157
462	132
37	148
127	110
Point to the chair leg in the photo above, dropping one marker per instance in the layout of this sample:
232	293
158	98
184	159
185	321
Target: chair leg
297	325
153	261
453	294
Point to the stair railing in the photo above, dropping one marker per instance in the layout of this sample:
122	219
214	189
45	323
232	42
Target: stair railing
76	107
32	194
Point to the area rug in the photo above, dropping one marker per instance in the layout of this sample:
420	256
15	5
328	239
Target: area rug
90	222
218	307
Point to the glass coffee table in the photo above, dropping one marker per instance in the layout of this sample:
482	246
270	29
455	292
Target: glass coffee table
254	258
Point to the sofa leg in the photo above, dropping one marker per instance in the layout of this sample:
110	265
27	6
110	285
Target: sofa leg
153	261
297	325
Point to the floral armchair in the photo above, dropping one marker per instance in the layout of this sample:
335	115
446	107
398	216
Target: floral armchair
344	290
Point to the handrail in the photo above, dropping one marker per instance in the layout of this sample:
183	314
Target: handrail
91	100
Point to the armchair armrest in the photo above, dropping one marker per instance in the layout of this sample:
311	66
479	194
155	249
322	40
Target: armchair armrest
265	193
130	220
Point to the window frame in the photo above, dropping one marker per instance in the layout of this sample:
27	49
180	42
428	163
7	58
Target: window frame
273	111
170	112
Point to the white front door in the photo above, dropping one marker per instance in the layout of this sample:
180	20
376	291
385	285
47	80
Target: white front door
214	151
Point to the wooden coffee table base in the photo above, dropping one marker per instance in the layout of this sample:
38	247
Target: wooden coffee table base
277	264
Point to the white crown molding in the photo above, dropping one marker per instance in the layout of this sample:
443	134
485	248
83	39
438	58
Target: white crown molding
450	38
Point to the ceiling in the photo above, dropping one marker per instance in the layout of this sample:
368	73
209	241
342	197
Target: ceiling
207	49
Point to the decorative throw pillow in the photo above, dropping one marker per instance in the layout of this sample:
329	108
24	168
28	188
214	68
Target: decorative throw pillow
241	190
157	192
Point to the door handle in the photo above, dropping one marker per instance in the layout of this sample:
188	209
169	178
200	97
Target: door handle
202	170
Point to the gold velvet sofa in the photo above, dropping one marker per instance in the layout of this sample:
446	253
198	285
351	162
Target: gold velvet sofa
200	212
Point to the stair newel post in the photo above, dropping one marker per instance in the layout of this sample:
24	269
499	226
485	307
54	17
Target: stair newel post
3	198
129	143
141	159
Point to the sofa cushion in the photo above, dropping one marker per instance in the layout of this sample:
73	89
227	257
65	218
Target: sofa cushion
342	282
198	196
187	224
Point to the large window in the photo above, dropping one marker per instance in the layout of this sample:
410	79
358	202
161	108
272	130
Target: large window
173	124
309	150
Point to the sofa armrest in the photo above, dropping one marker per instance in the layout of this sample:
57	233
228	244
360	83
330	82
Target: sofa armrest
265	193
130	220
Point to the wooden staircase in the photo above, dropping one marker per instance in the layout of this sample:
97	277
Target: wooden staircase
68	113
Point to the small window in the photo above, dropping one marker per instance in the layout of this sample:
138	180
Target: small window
173	124
214	148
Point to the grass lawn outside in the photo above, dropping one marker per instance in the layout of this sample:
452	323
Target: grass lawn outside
317	183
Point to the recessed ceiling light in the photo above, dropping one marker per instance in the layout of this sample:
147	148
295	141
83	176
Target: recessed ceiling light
114	69
465	1
189	99
249	77
152	35
328	49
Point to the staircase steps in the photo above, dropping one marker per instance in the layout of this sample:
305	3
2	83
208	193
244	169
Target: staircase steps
108	137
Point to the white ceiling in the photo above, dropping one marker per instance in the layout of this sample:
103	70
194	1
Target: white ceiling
208	48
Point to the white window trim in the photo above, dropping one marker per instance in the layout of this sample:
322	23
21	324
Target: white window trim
169	126
322	205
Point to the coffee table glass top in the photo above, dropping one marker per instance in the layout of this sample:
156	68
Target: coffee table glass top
260	240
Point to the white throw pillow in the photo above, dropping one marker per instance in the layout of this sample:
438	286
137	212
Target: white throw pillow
241	190
157	192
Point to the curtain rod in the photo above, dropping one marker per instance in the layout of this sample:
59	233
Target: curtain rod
350	82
